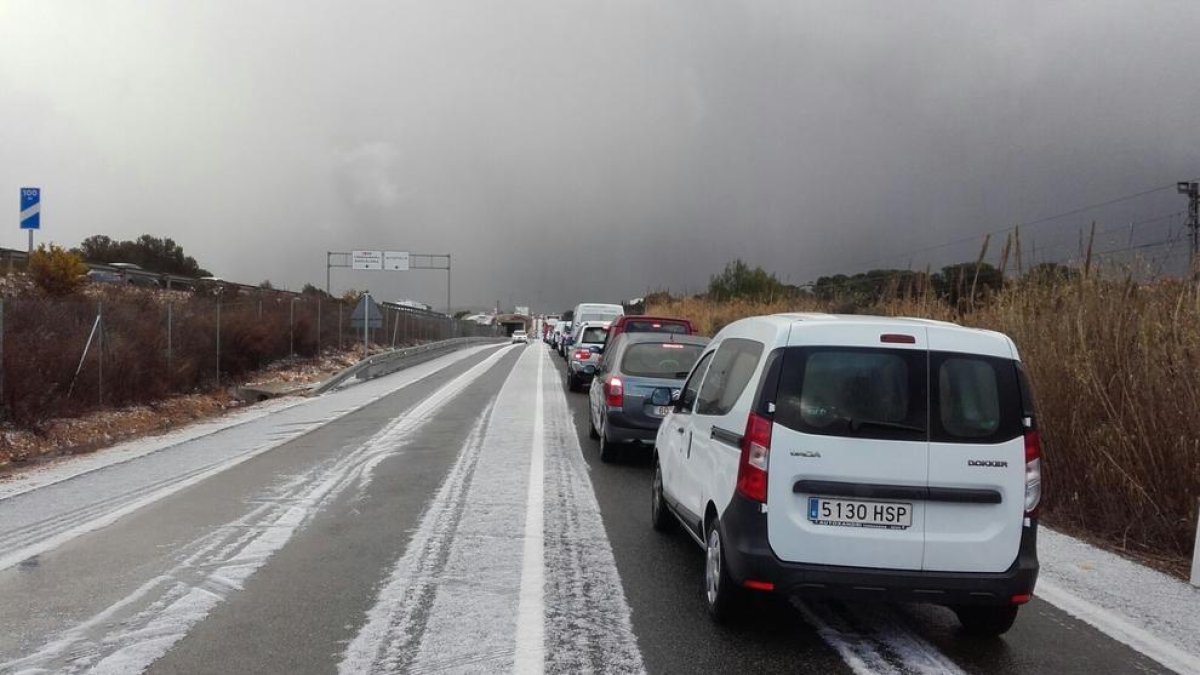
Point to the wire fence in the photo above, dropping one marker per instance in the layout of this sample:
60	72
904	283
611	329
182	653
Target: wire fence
66	356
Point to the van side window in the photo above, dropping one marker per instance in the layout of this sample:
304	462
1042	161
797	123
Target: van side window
732	367
687	400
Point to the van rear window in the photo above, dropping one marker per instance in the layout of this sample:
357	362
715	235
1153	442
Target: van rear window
899	394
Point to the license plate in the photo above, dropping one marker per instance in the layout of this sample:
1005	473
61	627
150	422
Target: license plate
856	513
661	410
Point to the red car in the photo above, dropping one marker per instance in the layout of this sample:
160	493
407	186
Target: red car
649	324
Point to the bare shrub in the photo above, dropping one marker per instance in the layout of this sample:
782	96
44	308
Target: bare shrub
57	271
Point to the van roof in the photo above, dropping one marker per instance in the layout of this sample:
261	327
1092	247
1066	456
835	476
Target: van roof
865	319
974	340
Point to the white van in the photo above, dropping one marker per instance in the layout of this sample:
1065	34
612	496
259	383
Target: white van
857	457
593	312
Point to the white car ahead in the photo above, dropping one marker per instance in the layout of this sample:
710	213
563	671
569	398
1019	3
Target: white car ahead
520	336
857	457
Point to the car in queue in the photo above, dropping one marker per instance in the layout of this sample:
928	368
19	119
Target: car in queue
585	355
900	460
548	324
520	336
592	312
640	323
634	385
561	330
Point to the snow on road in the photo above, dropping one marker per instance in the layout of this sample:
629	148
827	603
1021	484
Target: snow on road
47	507
509	569
1151	612
135	631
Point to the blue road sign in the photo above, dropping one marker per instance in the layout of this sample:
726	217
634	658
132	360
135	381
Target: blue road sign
31	208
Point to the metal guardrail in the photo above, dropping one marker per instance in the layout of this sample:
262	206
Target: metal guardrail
389	362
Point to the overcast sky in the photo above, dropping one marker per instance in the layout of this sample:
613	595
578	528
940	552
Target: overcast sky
567	150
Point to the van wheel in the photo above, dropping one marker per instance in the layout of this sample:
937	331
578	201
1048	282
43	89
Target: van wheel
571	385
723	597
608	453
592	433
986	621
659	518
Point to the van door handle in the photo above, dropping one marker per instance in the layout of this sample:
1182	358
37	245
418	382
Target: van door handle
679	430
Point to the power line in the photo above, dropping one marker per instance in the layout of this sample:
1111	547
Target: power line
1025	225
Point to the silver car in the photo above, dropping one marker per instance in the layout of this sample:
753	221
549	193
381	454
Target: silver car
635	385
584	356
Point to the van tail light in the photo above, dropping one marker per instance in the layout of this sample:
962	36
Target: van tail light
614	392
1033	472
756	455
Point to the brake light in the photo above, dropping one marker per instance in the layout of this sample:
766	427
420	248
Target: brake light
614	393
1021	598
672	346
1033	472
757	585
756	455
582	354
897	338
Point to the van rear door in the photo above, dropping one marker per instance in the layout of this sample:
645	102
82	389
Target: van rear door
976	510
849	447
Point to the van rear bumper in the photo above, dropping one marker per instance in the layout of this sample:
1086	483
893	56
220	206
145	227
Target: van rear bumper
748	556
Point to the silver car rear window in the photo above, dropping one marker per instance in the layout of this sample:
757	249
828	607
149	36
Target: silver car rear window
665	360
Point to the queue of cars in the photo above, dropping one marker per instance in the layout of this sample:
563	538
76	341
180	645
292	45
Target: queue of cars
900	458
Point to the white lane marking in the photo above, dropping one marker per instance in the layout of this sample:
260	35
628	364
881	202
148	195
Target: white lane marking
1118	628
887	647
140	628
531	610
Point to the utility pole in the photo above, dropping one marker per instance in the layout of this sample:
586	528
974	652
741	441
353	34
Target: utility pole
1192	190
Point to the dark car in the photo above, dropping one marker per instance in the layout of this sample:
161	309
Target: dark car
641	323
634	386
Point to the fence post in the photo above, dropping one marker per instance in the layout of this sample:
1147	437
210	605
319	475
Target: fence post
170	317
367	326
292	327
1	351
100	352
218	342
1196	550
319	326
339	326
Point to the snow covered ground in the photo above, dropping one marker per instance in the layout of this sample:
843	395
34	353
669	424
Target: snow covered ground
46	506
1151	612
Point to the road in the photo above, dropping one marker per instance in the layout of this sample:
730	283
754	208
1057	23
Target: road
453	517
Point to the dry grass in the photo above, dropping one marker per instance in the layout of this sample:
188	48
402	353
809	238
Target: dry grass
1116	371
137	360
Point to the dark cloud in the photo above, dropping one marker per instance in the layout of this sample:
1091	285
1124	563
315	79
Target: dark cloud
570	149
